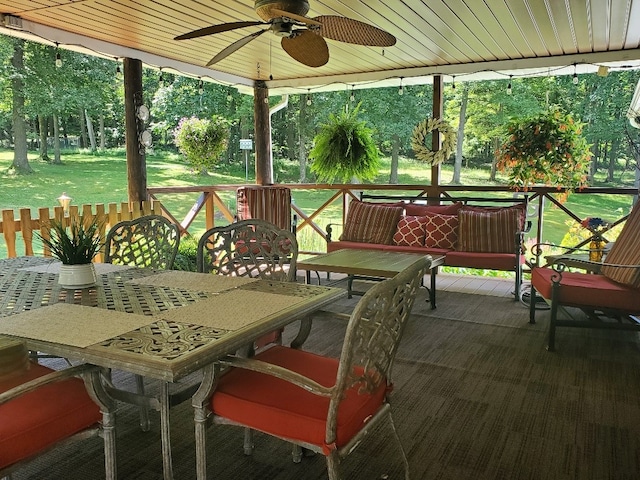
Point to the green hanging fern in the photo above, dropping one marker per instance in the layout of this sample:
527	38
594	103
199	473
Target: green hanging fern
345	149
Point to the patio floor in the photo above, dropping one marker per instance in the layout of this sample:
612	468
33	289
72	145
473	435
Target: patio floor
477	396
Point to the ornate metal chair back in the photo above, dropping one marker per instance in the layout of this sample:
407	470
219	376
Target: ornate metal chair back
249	248
373	335
150	241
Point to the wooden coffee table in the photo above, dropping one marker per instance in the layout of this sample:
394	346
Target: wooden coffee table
368	265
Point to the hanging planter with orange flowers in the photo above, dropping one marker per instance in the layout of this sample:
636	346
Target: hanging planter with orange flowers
546	149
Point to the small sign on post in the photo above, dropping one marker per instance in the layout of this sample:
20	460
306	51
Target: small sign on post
246	144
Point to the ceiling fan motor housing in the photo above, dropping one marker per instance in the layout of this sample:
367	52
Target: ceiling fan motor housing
264	8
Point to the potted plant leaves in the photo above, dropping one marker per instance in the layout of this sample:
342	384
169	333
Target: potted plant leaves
547	149
344	149
75	246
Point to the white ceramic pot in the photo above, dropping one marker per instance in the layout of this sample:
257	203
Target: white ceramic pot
77	276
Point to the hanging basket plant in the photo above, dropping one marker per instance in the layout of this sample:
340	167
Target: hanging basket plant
421	142
344	149
546	149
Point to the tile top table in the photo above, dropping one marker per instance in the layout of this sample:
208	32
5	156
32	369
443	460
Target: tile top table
368	264
162	325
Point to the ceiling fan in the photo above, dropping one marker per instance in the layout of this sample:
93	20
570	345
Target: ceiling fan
303	38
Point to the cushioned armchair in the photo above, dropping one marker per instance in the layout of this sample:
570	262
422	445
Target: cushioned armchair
324	404
607	293
41	407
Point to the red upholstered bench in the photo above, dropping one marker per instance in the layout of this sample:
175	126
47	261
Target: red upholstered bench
467	234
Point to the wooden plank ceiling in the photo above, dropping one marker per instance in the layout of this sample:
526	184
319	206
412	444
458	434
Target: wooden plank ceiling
451	37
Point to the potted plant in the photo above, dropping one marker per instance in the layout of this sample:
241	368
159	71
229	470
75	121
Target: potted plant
344	149
75	246
547	149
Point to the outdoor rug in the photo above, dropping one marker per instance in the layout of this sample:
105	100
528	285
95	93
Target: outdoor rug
477	396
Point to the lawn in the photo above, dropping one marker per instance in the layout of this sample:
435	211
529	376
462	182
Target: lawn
102	178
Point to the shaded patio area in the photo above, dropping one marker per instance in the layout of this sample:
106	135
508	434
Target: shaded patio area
477	397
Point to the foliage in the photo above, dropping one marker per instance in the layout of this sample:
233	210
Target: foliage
202	141
75	245
547	148
344	148
187	257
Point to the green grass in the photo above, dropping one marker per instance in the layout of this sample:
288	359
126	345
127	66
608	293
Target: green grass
102	178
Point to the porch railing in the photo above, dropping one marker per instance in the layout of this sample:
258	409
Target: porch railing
24	226
334	204
210	207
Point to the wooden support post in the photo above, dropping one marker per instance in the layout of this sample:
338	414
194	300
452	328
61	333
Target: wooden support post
136	159
435	135
262	128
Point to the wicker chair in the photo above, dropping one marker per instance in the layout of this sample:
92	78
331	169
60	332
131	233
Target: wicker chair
323	404
41	407
150	241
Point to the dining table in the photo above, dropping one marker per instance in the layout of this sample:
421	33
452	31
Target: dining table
163	325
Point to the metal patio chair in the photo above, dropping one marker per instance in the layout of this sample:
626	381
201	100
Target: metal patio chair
323	404
41	408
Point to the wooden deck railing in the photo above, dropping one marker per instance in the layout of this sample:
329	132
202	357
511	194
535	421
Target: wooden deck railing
25	224
332	206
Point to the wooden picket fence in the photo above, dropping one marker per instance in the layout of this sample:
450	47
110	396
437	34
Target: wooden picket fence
25	225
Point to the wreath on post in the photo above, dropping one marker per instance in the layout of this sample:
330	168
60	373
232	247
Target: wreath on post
420	134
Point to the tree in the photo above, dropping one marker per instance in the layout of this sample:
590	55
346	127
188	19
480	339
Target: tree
20	161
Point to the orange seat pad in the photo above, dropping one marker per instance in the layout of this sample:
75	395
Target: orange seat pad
280	408
37	420
587	290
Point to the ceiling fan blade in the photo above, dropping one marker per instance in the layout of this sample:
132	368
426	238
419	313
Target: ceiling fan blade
223	27
349	30
306	47
235	46
293	16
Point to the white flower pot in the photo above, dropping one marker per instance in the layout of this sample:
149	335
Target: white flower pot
77	276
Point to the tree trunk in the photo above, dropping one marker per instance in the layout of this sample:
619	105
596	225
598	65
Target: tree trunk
494	160
43	128
395	154
457	166
20	161
613	159
90	131
56	141
102	138
84	143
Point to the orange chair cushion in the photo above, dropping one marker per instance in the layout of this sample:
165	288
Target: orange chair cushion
39	419
492	261
280	408
587	290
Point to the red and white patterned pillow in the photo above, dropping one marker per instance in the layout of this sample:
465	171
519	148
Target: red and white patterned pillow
410	231
441	231
371	223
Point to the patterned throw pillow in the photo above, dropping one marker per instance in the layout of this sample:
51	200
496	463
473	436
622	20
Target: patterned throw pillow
371	223
410	231
490	231
441	231
626	251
